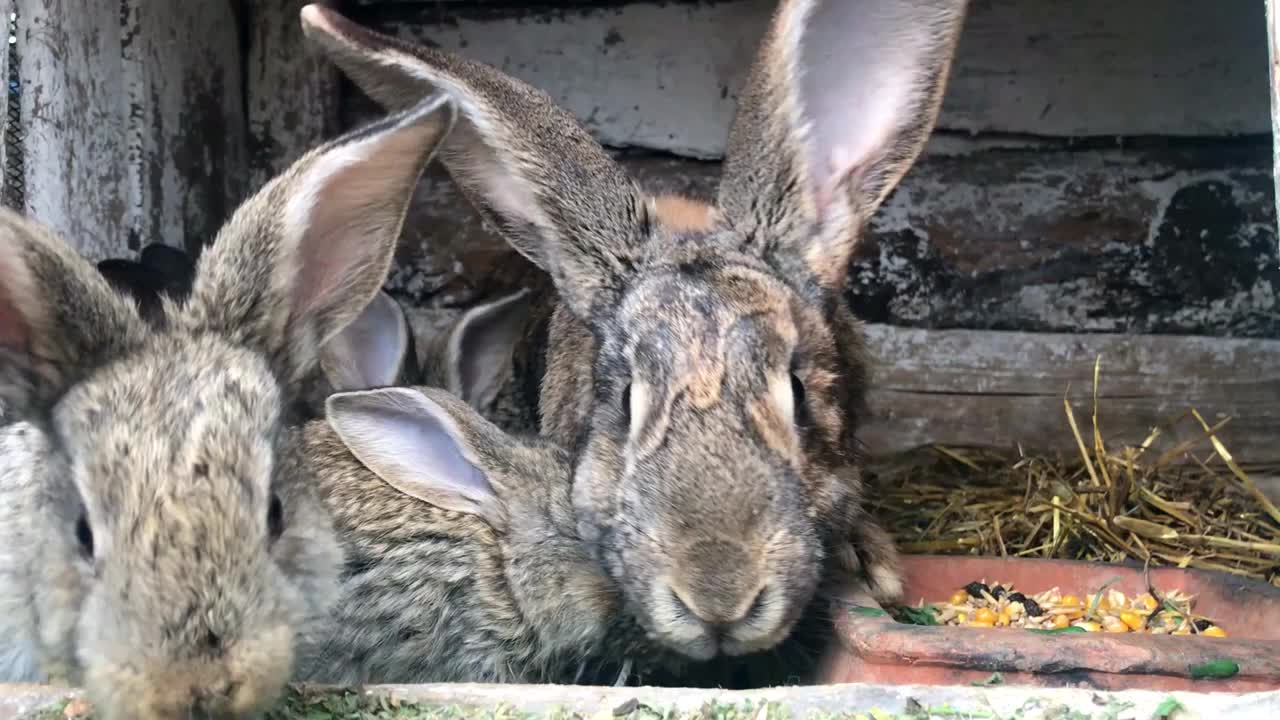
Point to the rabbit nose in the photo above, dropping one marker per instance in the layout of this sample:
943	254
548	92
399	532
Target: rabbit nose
719	618
212	702
717	581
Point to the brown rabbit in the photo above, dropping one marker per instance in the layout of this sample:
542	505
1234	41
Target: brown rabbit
703	366
463	559
176	555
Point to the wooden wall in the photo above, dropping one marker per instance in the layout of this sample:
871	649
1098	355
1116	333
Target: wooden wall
1100	168
132	122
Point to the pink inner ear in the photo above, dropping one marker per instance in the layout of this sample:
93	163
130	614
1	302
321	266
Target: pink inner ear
356	195
861	63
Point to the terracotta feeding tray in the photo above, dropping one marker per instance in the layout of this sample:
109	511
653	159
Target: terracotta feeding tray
873	647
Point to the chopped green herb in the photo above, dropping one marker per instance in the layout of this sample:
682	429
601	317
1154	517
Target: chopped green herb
867	611
1167	708
925	615
995	679
1216	670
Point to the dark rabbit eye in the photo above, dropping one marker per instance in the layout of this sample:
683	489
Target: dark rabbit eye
84	536
275	518
626	402
797	391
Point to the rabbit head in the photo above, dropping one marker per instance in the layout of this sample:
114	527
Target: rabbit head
701	360
421	486
178	556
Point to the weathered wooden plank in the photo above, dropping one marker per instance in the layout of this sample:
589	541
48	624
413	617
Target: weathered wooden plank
1273	71
665	75
292	90
184	120
965	387
133	127
1147	240
74	146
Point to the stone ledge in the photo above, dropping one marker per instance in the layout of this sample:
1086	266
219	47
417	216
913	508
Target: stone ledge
800	702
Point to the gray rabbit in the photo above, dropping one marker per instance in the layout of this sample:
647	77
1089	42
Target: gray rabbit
463	559
700	359
176	554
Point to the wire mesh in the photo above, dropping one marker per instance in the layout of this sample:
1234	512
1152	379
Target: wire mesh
13	192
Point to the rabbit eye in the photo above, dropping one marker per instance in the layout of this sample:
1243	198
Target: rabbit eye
84	536
275	518
626	403
797	392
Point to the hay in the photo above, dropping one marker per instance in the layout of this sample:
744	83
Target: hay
1188	505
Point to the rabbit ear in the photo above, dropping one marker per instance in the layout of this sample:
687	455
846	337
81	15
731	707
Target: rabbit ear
421	446
59	317
840	102
478	356
526	164
370	352
306	255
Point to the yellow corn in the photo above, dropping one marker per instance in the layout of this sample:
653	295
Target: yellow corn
1002	619
1069	600
1132	619
1089	625
1148	602
1214	631
981	623
960	597
984	615
1113	624
1060	621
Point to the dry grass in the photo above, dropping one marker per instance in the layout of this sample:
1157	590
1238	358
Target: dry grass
1185	504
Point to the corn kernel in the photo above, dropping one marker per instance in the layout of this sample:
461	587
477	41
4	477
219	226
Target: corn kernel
959	598
1060	621
1089	625
962	618
1113	624
984	615
1214	631
1069	600
1148	602
1132	619
1115	599
1002	619
981	623
1184	630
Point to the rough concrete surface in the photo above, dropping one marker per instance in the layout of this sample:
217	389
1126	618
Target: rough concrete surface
801	702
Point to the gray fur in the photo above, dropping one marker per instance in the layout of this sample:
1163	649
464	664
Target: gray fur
178	555
497	591
717	497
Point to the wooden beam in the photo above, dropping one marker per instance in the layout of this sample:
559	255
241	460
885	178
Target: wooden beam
292	90
1173	240
975	387
131	118
665	76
